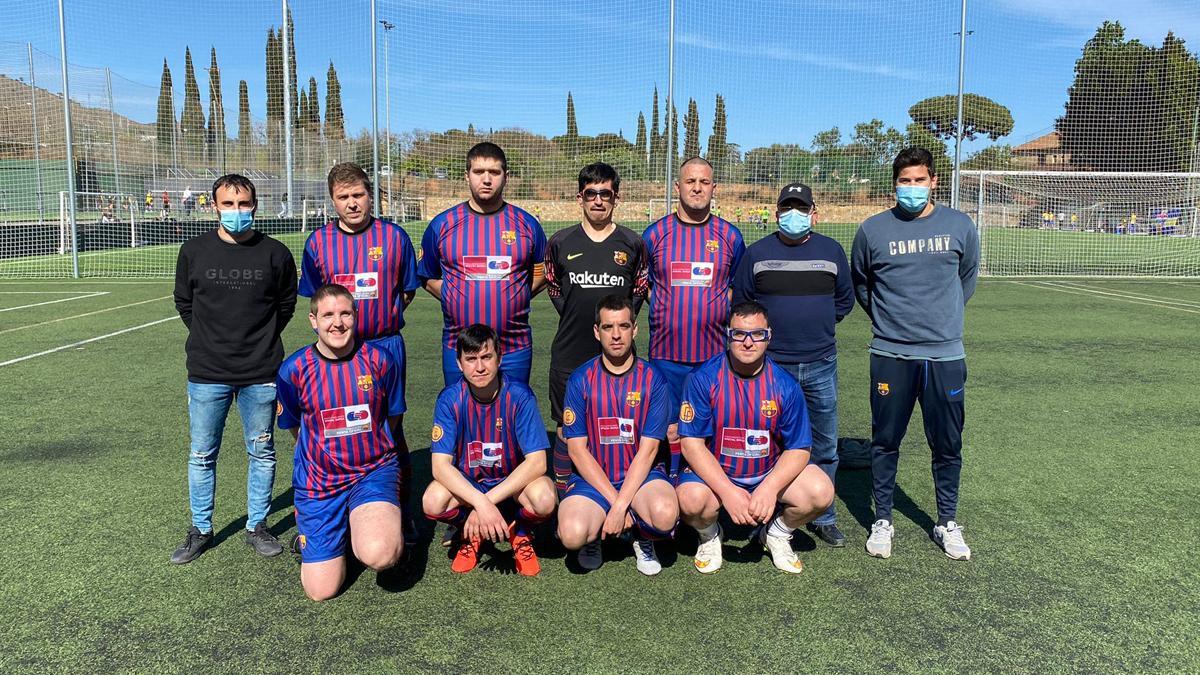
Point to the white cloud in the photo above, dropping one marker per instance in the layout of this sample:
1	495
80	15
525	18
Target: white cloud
1145	20
823	61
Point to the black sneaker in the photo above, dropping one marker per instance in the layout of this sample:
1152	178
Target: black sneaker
830	534
197	542
449	536
263	542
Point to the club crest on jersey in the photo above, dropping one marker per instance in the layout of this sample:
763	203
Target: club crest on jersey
568	417
365	382
883	388
508	236
769	408
278	409
303	541
686	413
712	246
621	258
499	424
633	399
375	252
437	433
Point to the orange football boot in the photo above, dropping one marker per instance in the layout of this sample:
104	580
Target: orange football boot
466	557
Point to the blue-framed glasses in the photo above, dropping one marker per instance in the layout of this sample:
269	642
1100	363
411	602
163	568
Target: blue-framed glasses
740	335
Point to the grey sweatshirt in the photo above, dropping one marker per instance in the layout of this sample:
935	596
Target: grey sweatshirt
913	277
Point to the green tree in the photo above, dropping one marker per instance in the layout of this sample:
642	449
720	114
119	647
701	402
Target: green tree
572	126
993	158
717	154
245	126
274	95
981	116
164	127
217	136
673	153
691	128
297	121
335	124
640	140
920	137
192	124
312	121
655	140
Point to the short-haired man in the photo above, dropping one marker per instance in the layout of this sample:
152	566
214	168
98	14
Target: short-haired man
585	263
483	259
914	267
804	276
615	418
235	289
488	456
746	440
693	255
343	395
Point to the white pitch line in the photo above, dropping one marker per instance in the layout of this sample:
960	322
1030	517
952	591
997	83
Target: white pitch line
1131	295
84	342
43	292
80	316
1060	289
51	302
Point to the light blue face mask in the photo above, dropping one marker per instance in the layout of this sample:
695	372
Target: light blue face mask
794	223
237	221
912	198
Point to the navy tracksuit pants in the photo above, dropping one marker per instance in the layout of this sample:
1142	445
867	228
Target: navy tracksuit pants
896	384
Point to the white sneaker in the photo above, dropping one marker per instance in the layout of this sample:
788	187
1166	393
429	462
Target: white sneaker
708	555
879	544
647	558
951	540
590	557
781	551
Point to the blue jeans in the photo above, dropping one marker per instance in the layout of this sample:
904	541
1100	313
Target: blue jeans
819	381
208	406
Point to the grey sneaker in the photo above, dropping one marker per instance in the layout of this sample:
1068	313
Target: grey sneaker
263	542
197	542
951	540
879	544
590	556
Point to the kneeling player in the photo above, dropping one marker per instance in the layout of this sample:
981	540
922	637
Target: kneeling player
488	457
746	439
614	418
344	396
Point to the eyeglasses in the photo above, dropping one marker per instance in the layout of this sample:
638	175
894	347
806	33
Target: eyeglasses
604	195
739	335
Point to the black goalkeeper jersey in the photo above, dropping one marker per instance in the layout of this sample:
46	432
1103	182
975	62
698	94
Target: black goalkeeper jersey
579	272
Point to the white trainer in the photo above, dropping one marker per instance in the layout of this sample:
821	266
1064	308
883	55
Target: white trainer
590	557
647	558
782	555
708	555
879	544
951	540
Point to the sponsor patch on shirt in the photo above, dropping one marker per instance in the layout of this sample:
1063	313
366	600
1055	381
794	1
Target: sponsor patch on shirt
487	267
487	455
615	430
685	273
362	285
346	421
745	443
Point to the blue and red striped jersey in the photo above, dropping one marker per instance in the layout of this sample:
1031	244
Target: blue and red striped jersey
485	262
377	265
747	421
615	412
487	440
342	408
691	268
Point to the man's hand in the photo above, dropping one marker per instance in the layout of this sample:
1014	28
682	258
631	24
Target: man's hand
617	521
737	504
762	504
486	523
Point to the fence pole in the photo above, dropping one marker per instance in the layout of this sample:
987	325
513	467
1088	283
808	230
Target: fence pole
670	156
37	150
112	118
287	113
62	45
374	111
962	53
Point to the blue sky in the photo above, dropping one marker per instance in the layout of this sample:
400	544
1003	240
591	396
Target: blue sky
786	69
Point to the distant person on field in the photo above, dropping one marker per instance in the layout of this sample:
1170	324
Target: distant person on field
235	289
914	268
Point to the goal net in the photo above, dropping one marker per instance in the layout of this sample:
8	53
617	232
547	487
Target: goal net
1074	223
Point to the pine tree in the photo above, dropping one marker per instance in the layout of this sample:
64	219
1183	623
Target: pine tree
292	84
655	149
245	128
274	94
313	121
572	126
164	128
691	127
335	129
717	143
192	123
217	136
673	155
640	140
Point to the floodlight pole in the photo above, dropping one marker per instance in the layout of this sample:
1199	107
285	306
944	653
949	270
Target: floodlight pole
112	118
62	50
374	110
387	98
37	151
962	53
669	160
287	113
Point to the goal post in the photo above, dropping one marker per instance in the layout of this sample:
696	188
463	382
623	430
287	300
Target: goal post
1081	223
111	217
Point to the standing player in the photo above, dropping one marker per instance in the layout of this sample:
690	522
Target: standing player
914	268
375	261
235	289
693	256
488	456
483	260
584	264
616	417
746	440
343	395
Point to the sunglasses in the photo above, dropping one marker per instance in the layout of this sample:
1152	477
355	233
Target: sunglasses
604	195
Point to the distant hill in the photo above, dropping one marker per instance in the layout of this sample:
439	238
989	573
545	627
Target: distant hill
134	139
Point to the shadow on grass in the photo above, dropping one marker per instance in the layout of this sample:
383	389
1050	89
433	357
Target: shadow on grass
855	487
283	500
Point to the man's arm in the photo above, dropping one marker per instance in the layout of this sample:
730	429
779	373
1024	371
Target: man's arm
860	269
485	521
554	277
288	284
587	467
429	267
843	298
183	288
538	278
743	281
639	468
968	266
531	467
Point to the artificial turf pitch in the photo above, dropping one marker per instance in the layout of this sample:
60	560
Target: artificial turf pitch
1077	497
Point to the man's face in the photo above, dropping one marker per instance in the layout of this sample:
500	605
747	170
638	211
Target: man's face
230	198
696	186
480	368
746	350
334	321
598	201
485	178
916	175
352	201
616	332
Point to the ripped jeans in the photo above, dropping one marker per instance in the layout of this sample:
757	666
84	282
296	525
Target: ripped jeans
208	406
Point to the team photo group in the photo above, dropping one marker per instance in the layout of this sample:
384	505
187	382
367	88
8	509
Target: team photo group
732	409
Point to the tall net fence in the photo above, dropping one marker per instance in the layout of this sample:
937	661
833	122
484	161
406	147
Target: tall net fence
164	100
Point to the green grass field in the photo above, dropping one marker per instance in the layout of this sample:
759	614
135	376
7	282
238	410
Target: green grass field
1078	501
